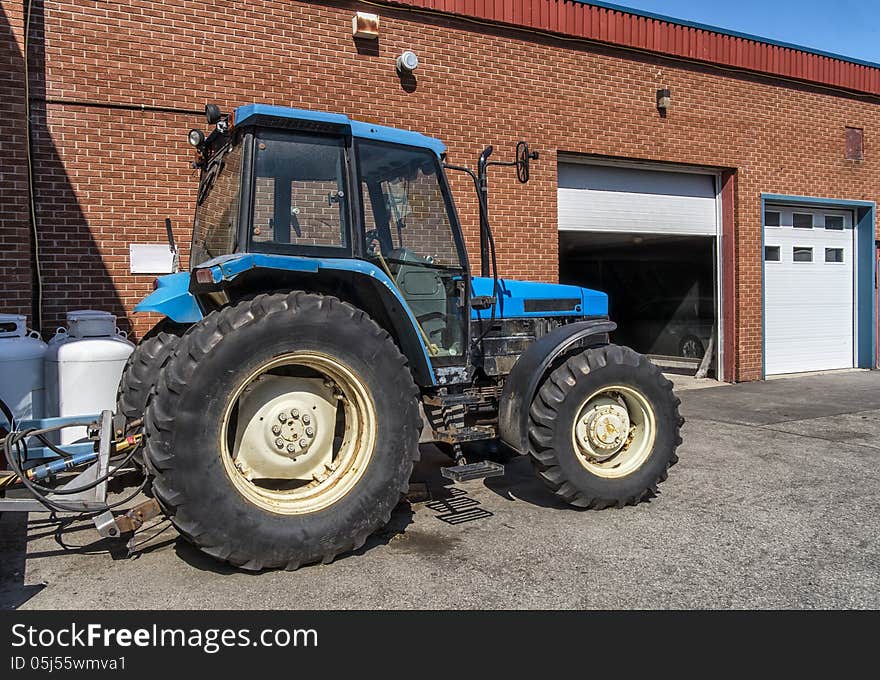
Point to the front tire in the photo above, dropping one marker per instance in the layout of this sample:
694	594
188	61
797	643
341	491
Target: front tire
604	428
244	379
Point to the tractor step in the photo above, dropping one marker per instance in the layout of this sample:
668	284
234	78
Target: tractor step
457	435
479	470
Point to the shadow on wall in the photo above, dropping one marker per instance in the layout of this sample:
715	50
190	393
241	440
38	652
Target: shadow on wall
74	273
15	264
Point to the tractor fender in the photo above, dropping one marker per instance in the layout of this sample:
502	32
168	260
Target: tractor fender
313	271
528	372
173	299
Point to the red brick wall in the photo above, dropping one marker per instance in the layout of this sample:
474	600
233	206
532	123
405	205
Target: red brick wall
108	177
15	265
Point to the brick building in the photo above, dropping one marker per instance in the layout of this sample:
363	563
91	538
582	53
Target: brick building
745	208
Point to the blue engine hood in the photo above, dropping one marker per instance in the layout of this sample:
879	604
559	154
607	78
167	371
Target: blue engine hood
525	299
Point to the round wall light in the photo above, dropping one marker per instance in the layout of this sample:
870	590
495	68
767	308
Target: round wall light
407	62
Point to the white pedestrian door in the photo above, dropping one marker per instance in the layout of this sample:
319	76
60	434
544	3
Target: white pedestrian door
809	270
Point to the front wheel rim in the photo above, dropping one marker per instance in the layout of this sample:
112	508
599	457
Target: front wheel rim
614	431
298	433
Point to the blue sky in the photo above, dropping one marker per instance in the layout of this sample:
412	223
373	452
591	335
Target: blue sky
847	27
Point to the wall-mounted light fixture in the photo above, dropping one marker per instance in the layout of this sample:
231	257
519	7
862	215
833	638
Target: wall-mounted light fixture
365	26
407	62
664	100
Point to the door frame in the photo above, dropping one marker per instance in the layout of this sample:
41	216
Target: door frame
865	317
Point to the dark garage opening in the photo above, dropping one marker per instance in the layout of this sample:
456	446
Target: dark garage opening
661	289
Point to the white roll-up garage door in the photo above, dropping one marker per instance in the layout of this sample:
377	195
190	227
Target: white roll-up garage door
633	200
809	284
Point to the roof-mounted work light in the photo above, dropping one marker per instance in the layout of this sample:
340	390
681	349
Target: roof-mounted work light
212	113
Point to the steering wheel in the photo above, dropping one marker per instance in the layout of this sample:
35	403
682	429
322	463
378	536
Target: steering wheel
371	237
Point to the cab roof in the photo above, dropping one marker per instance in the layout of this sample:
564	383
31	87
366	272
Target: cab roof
277	116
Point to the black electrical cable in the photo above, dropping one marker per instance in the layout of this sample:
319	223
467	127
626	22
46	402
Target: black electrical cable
37	278
49	445
17	440
7	413
61	507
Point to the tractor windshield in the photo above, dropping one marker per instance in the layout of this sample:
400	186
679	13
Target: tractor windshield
216	224
408	230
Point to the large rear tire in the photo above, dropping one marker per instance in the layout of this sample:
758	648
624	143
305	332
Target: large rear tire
142	369
246	378
604	428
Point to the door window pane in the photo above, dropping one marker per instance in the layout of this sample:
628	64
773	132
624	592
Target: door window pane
772	253
802	220
834	222
771	218
409	234
834	254
802	254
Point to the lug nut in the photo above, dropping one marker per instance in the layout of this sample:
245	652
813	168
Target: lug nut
310	431
282	417
303	443
279	443
307	419
291	448
276	429
294	412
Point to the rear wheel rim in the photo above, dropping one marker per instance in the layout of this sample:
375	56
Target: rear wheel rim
298	433
614	432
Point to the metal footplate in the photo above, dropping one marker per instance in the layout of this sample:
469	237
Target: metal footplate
468	471
455	435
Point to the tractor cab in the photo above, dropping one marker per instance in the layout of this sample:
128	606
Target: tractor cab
304	184
285	191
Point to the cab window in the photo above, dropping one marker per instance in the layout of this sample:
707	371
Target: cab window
299	193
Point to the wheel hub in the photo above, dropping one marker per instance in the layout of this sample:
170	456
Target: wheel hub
603	429
286	428
292	430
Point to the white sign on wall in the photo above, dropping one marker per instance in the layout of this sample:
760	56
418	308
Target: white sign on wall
150	258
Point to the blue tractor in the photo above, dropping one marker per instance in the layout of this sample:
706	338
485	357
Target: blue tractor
330	323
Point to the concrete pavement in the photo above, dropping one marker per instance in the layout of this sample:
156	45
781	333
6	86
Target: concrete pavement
774	504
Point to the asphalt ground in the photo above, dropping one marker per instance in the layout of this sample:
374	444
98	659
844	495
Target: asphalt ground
774	504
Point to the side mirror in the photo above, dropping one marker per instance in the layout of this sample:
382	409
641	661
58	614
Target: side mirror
523	157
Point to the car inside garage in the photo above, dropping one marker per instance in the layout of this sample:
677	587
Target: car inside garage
647	236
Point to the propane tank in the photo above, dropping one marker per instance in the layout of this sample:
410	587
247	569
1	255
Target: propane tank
21	368
83	367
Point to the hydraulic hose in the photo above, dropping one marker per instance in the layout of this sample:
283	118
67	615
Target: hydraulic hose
15	451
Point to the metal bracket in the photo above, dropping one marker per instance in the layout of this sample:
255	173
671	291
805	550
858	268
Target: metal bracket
88	500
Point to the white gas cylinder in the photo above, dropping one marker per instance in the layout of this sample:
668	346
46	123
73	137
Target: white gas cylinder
21	368
83	367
